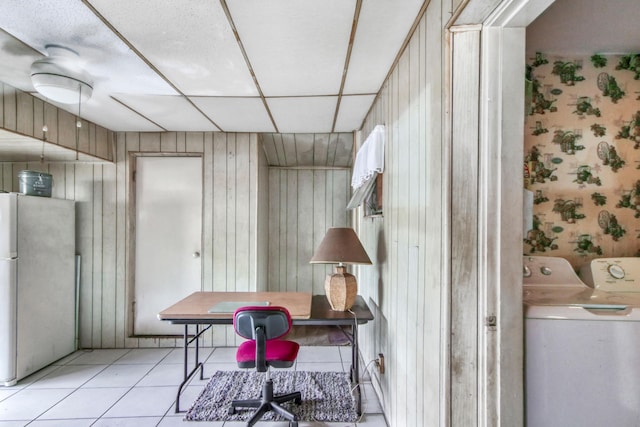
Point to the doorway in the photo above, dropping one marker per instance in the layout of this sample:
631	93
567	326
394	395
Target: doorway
502	100
167	232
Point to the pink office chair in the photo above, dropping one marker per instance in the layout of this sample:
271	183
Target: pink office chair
263	326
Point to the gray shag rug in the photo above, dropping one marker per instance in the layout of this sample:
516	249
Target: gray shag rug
326	396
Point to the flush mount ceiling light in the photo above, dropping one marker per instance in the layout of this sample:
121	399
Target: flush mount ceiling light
60	76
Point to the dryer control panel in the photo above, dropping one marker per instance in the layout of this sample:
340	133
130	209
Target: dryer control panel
612	274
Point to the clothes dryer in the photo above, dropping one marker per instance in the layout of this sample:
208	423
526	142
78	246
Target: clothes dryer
582	345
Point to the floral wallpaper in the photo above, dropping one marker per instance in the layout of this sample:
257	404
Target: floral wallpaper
582	156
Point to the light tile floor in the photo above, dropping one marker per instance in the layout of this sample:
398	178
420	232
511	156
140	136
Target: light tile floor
137	387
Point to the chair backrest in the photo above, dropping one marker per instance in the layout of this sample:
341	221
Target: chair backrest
274	321
261	325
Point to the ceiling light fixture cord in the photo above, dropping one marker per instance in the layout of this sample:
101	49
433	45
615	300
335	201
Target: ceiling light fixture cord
78	123
44	139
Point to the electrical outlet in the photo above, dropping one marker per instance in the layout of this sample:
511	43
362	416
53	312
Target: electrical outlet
380	363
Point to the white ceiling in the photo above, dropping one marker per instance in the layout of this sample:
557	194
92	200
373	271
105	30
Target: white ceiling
282	66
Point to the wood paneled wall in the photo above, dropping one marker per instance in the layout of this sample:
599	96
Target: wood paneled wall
243	222
303	205
308	149
262	248
25	114
406	287
230	252
232	239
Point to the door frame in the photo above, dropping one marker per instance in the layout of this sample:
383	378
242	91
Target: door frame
131	232
500	57
503	60
500	223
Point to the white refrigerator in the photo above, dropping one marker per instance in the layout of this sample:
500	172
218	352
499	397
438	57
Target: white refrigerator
37	283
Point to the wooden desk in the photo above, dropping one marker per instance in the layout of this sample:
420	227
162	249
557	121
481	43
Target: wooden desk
305	310
196	306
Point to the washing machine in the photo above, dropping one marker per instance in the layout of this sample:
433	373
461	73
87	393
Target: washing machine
582	342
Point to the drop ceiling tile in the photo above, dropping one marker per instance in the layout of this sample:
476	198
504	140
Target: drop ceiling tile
16	58
111	114
69	23
304	114
236	114
107	112
190	42
295	47
353	109
173	113
382	27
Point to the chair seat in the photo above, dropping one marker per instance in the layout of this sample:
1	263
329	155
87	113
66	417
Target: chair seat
279	353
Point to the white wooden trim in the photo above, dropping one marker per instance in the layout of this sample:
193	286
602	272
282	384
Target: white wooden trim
465	28
131	244
465	306
501	383
501	226
516	13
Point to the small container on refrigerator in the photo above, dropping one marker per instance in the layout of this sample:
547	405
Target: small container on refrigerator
35	183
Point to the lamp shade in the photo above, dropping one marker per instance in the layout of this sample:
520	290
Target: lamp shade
340	246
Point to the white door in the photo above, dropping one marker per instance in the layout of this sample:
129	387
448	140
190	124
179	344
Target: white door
168	238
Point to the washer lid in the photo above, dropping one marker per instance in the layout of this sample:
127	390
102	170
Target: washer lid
585	297
582	312
557	295
603	299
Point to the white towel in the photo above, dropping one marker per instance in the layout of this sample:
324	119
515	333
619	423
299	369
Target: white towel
370	158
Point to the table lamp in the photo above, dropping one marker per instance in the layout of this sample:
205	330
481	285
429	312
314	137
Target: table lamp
340	246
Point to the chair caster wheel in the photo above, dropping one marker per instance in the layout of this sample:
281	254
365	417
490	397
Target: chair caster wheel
231	411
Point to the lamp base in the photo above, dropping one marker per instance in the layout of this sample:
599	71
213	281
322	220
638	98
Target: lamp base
341	289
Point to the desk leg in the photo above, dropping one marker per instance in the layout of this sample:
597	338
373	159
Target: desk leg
197	363
355	367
